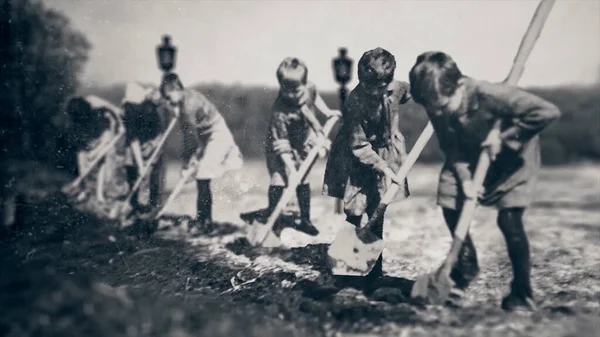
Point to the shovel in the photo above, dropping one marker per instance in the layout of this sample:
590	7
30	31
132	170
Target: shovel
156	214
354	251
72	188
437	286
180	185
125	207
263	234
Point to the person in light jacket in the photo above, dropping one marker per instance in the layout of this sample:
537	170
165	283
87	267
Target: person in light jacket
209	147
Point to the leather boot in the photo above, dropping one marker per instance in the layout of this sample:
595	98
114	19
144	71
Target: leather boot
204	203
306	225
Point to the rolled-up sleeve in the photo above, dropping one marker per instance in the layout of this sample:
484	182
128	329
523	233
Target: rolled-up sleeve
529	113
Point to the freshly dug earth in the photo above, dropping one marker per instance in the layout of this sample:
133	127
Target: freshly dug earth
65	273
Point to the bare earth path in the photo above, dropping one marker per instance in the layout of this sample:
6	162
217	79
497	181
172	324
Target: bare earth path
172	284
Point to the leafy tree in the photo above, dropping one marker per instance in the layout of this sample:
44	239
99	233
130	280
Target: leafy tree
42	59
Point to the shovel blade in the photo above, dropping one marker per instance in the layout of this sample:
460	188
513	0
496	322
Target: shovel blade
434	288
350	256
70	190
124	212
261	235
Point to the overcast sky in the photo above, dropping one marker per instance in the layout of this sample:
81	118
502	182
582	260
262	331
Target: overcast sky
244	41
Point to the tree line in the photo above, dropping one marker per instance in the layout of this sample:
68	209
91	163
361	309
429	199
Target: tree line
43	55
573	138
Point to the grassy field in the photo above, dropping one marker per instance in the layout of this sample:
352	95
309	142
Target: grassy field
173	284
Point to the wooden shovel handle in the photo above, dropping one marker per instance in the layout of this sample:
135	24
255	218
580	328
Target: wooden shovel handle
146	168
525	48
409	162
96	161
175	192
299	175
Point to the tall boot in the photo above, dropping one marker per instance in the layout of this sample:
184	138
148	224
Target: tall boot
306	225
377	270
204	203
132	175
274	195
510	222
354	219
373	200
156	182
467	266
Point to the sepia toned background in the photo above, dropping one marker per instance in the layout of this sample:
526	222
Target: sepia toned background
64	272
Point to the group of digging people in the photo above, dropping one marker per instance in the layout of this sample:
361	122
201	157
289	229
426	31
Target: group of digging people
366	152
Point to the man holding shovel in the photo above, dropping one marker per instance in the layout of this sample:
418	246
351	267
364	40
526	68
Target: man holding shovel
463	111
369	148
209	147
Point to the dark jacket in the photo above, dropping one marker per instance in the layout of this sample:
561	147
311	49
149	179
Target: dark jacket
368	142
510	181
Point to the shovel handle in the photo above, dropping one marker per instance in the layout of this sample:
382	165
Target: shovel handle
468	208
298	176
529	39
146	168
175	193
96	161
408	163
533	32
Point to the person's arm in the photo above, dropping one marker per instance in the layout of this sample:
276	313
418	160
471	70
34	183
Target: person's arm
191	140
360	146
530	114
207	114
281	143
448	143
324	109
